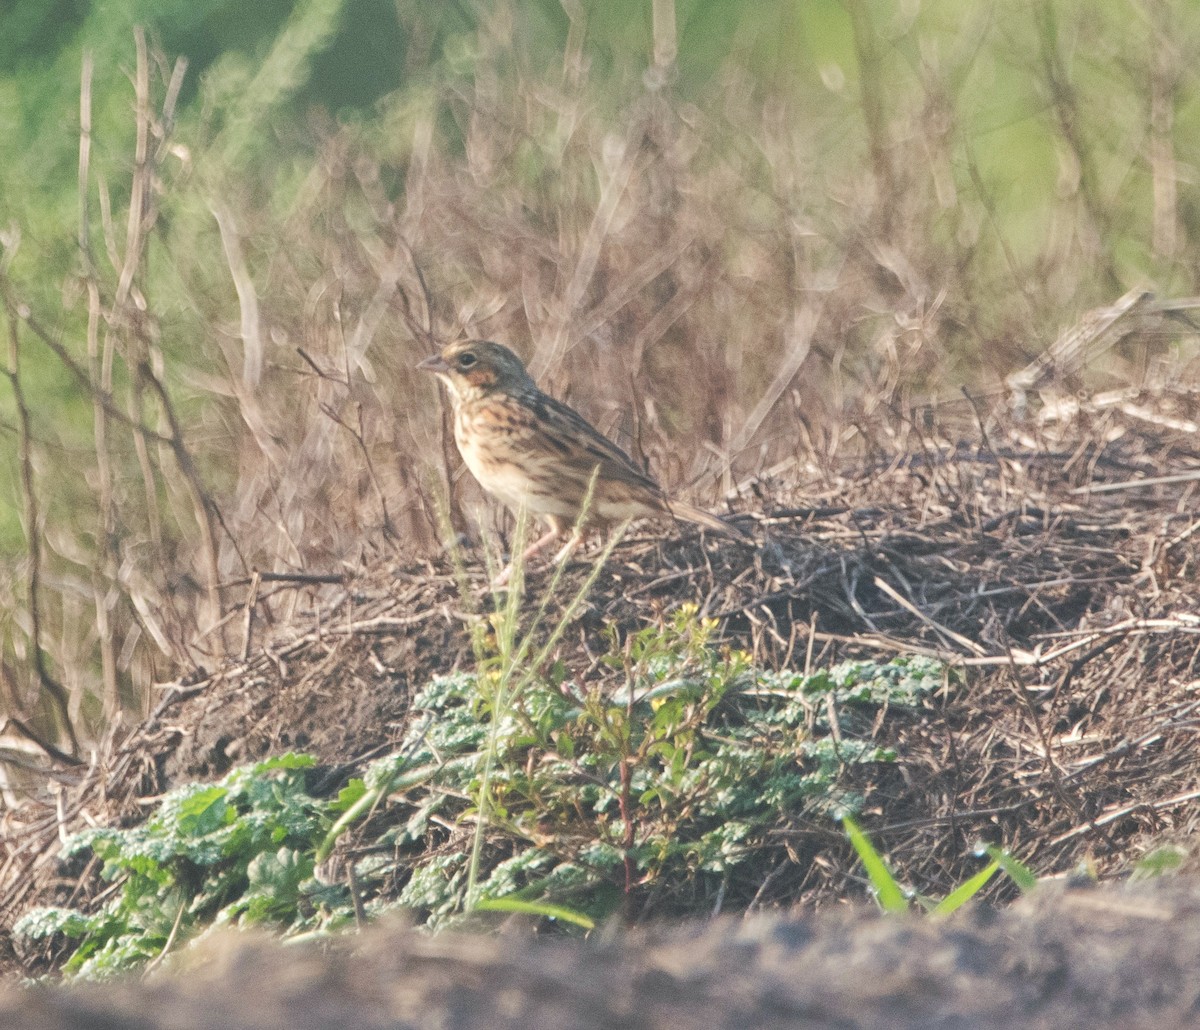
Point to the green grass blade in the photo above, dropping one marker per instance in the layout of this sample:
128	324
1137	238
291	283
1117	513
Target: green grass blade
535	908
965	891
1017	871
887	890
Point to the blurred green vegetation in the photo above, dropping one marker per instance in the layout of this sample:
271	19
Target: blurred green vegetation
356	52
991	63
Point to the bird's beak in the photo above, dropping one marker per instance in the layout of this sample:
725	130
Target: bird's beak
435	364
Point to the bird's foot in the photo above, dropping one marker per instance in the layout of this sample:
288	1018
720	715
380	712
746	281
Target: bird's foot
503	577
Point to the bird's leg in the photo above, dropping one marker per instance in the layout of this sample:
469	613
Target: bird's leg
534	548
540	543
569	547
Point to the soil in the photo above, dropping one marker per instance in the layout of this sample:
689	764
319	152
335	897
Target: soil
1088	956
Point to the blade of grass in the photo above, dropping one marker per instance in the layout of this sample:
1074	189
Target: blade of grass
887	890
535	908
964	892
1017	871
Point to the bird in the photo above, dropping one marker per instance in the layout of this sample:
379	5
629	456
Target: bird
529	450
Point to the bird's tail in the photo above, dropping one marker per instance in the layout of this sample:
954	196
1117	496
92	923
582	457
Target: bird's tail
689	512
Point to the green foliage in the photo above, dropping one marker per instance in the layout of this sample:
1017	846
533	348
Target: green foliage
892	897
239	851
677	784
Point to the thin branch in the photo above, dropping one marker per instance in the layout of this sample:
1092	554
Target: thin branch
32	518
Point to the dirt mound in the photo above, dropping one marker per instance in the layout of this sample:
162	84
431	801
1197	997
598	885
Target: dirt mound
1052	562
1089	957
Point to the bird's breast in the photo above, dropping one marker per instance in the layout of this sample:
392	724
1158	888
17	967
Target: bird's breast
494	441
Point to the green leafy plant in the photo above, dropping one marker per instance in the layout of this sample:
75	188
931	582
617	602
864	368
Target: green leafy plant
674	785
238	851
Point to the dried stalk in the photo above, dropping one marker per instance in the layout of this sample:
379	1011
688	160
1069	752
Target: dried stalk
47	684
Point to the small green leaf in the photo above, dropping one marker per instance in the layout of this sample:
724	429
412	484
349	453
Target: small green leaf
1017	871
348	795
289	760
1159	862
203	812
45	922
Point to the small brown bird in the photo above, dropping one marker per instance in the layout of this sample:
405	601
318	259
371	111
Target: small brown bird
528	449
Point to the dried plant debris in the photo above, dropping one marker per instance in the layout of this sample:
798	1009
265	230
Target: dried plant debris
1049	565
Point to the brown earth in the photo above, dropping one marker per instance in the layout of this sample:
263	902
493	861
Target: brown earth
1091	957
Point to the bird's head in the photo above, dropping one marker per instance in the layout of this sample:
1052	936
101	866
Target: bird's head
474	368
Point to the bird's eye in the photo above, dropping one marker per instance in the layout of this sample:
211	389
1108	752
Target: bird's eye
466	360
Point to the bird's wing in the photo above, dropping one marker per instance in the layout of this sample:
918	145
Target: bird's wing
571	436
